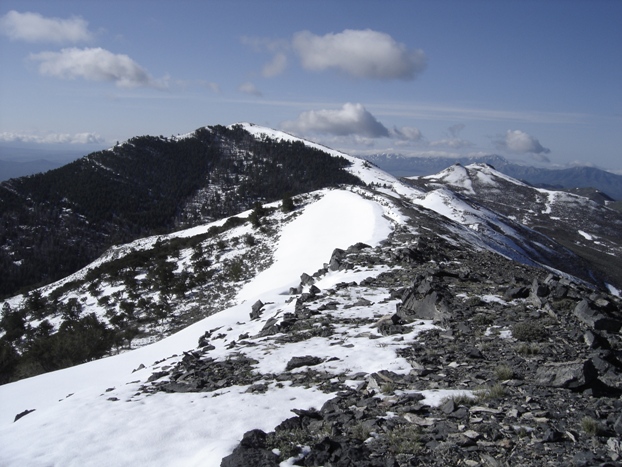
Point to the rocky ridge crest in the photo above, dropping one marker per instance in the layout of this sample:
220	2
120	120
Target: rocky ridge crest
526	363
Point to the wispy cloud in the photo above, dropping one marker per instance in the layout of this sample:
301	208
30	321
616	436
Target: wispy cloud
407	133
454	143
455	130
279	49
351	119
212	86
276	66
33	27
441	112
359	53
52	138
249	88
96	64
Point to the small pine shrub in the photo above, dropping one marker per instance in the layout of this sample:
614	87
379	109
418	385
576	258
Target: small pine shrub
590	426
481	319
528	349
387	388
494	392
504	372
529	331
360	431
404	440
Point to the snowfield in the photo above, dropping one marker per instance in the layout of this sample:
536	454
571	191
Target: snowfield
92	414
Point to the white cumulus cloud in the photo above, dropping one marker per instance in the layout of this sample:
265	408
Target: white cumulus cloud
351	119
520	142
33	27
95	64
360	53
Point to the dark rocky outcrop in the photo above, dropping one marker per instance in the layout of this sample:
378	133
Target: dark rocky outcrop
251	452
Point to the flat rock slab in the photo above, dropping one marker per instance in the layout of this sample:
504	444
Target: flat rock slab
570	375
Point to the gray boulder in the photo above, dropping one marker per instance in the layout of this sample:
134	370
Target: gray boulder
298	362
570	375
432	306
596	319
256	309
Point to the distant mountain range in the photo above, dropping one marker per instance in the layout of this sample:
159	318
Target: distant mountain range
566	179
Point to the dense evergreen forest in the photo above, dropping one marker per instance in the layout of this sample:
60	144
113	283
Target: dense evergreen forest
54	223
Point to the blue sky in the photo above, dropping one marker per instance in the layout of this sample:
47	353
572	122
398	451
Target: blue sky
536	81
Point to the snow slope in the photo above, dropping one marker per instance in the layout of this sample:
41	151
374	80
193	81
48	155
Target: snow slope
91	414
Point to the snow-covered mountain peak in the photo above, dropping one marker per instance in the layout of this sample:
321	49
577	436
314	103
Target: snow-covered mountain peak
469	179
362	169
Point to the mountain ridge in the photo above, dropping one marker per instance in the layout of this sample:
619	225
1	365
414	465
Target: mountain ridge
561	216
54	223
368	324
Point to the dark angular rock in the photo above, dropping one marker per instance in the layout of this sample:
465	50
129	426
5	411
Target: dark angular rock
269	328
474	352
539	290
432	307
362	302
298	362
357	247
335	259
448	406
552	436
584	459
256	309
569	375
306	279
251	452
601	365
595	318
290	424
559	292
324	452
595	341
388	329
516	292
22	414
204	339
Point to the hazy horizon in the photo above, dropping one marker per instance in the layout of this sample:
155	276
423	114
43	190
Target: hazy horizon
532	81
